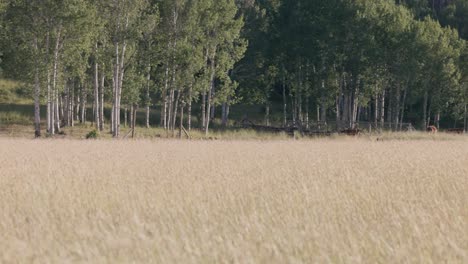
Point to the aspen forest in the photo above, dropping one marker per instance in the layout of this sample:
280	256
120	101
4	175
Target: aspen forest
234	131
335	63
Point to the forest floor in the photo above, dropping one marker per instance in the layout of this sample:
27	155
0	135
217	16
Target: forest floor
348	200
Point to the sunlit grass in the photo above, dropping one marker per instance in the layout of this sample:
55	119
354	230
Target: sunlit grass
10	93
14	118
323	201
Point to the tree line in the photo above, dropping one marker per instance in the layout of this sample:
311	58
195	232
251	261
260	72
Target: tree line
387	62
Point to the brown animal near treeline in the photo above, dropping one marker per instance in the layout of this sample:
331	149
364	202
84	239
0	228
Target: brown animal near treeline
455	130
351	132
432	129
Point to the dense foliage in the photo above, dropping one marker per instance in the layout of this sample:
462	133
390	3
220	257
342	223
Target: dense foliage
336	62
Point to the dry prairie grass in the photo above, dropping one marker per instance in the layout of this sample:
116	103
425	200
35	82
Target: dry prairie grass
323	201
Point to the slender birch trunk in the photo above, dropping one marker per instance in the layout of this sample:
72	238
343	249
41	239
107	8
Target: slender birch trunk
337	114
57	112
66	104
210	90
63	102
171	100
164	98
299	97
228	108
176	105
203	106
323	112
134	114
306	121
376	110
78	104
49	99
355	104
96	95
171	107
203	110
382	109
171	110
338	102
112	119
285	103
115	83
318	116
37	101
148	99
101	99
396	119
293	106
189	112
345	116
389	114
52	92
132	108
83	103
72	105
54	107
181	123
49	105
402	109
426	97
224	114
465	128
125	116
307	91
121	77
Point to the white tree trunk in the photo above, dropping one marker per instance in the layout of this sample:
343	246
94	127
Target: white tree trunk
203	110
210	90
382	110
224	114
285	103
465	128
148	99
176	105
49	105
84	95
181	121
189	114
37	103
425	115
164	98
96	95
72	105
101	98
55	113
267	114
402	110
116	82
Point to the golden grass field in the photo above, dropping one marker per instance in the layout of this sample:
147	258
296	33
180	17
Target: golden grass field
285	201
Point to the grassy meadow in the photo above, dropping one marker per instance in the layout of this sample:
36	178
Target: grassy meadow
346	200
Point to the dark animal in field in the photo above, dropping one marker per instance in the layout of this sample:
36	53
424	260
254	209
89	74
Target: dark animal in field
455	130
351	132
432	129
